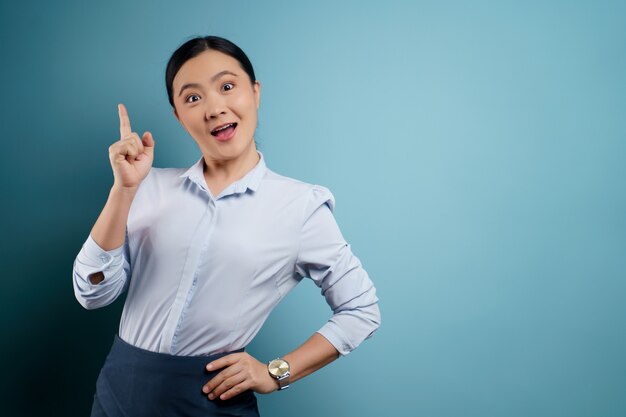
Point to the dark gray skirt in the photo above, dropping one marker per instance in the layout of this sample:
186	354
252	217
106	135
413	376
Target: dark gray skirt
135	382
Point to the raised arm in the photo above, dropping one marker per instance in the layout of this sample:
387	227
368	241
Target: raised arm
100	269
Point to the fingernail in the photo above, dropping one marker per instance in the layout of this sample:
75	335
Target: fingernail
211	396
205	390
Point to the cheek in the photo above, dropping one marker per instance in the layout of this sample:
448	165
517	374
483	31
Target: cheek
190	117
245	105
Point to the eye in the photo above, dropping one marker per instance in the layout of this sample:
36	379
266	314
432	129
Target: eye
228	86
192	96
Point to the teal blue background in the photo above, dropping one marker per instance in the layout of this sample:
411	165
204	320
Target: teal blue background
476	151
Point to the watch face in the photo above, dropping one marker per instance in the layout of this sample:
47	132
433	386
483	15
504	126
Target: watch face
278	367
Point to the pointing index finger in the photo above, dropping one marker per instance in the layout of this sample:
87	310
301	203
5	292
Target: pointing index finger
125	129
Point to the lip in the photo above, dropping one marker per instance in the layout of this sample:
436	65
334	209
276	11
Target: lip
222	125
229	137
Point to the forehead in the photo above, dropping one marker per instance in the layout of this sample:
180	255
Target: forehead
202	67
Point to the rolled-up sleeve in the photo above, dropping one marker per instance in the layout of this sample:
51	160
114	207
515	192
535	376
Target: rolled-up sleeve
326	258
113	264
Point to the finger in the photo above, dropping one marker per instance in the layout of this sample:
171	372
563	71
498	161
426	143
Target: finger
148	143
125	129
223	361
130	153
127	147
220	378
121	149
237	380
228	383
236	390
134	141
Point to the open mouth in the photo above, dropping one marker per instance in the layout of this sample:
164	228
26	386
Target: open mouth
225	130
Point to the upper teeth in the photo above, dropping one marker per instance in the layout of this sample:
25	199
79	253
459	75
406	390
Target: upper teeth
223	127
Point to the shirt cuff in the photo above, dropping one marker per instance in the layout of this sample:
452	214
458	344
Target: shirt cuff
92	259
94	251
337	338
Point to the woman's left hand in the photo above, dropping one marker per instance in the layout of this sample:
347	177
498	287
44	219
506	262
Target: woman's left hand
241	372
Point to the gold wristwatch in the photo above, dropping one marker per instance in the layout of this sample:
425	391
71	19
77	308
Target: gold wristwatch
279	370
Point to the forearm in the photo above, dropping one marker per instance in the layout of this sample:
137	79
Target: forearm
109	231
312	355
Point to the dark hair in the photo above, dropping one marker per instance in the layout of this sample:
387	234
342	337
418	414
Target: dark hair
195	47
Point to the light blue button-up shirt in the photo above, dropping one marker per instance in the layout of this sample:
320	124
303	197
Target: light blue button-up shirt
204	272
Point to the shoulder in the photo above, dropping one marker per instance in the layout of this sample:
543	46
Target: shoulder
164	174
307	194
159	180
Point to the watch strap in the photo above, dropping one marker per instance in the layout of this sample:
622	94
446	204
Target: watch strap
283	381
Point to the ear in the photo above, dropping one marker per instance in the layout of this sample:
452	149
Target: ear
257	93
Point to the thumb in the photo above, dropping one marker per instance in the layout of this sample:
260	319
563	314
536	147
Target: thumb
148	143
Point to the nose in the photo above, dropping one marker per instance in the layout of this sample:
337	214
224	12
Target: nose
215	106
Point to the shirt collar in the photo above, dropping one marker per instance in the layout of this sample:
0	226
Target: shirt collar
251	180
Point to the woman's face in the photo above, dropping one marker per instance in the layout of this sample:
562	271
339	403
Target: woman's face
211	91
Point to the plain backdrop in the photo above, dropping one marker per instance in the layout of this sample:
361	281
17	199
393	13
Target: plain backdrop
476	151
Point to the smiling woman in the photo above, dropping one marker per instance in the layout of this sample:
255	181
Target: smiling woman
206	253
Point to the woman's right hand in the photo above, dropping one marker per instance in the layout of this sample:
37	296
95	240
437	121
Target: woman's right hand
131	157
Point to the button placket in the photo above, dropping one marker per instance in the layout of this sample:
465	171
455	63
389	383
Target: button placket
188	277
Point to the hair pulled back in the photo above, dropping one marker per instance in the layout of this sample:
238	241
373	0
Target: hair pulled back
195	47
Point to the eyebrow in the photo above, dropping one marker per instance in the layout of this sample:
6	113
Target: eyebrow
213	78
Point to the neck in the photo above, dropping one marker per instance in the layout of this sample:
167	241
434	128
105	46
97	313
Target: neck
229	170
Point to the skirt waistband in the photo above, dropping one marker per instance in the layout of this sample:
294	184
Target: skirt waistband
135	382
124	349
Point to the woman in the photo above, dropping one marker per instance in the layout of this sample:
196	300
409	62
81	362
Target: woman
206	253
